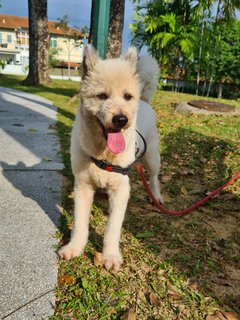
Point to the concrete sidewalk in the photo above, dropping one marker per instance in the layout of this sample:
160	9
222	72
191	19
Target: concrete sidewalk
30	195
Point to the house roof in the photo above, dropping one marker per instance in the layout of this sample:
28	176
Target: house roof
13	22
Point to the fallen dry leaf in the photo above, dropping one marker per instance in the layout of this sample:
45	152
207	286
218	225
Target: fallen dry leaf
166	197
154	300
184	190
195	191
203	160
150	207
98	259
216	196
165	178
212	317
194	286
66	279
111	311
218	245
220	315
231	315
175	156
227	196
130	315
70	226
173	295
186	171
71	195
224	282
204	209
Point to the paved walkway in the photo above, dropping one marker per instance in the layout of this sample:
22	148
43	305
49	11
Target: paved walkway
30	191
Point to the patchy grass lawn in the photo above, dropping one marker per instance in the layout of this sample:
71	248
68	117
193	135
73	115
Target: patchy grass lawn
174	267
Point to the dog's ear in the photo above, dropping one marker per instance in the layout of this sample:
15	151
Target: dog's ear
90	58
132	56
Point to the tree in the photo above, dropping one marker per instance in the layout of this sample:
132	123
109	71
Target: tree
72	37
166	28
228	59
3	63
202	14
186	39
116	23
52	57
90	38
226	12
38	42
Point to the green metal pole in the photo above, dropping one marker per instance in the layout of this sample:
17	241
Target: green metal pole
100	26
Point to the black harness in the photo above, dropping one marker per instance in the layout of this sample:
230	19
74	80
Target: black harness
102	164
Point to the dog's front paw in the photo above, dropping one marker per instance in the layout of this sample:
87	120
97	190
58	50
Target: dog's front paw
160	199
69	251
157	195
113	261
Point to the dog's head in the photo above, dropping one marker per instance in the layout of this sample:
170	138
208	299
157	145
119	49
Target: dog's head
110	94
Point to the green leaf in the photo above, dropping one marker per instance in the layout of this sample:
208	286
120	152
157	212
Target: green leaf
144	234
47	159
32	130
85	284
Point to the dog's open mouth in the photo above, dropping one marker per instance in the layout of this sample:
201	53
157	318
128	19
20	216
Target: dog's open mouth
115	139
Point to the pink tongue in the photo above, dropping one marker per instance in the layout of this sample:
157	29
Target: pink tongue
116	142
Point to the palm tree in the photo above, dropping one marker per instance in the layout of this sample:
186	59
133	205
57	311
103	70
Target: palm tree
169	36
202	12
226	11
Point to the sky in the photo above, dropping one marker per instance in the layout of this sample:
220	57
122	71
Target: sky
77	10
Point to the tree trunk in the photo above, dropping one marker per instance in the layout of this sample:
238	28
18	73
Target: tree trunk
90	38
200	55
115	28
38	42
220	90
69	66
213	48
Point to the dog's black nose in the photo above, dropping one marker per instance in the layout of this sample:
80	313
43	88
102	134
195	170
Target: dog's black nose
120	120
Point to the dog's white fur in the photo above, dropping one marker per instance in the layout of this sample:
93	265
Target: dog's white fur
115	77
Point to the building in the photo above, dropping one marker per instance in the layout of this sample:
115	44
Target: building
14	44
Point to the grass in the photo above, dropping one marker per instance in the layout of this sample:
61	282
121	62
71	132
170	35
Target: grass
174	267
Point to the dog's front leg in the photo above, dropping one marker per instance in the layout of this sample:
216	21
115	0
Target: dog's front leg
83	198
118	199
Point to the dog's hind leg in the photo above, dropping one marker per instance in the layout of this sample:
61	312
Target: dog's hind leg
83	196
118	199
152	162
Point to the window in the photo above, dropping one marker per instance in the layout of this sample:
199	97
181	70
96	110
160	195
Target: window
9	38
24	60
22	38
53	42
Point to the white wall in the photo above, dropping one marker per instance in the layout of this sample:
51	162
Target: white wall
14	69
20	70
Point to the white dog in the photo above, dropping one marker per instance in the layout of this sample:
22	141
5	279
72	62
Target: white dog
115	95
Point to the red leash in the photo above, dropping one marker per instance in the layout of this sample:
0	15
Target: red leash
195	205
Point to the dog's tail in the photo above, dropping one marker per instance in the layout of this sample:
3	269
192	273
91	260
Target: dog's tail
148	71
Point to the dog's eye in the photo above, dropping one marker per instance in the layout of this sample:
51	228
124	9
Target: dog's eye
102	96
127	96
